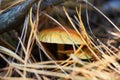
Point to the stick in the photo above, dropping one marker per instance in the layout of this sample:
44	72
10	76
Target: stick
14	17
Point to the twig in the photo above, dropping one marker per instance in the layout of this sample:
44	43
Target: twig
14	17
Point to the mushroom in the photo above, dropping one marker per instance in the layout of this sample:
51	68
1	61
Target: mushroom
59	36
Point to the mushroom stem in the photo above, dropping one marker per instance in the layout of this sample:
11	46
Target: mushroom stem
61	48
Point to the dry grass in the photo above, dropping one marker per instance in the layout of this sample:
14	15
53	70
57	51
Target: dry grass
5	5
105	65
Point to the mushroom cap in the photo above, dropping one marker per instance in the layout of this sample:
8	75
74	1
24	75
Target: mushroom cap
59	36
